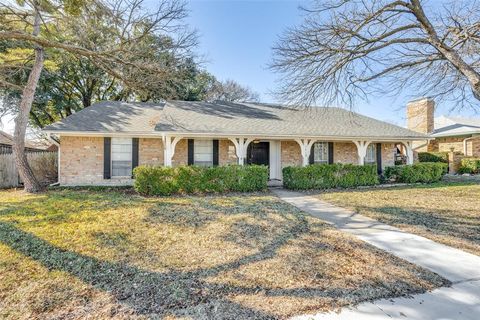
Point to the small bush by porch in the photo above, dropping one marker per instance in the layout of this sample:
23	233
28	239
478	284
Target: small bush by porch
424	172
326	176
470	165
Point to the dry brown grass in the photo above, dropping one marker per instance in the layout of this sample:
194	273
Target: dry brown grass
98	254
448	213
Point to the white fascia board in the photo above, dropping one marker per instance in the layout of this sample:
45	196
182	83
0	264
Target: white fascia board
455	134
228	135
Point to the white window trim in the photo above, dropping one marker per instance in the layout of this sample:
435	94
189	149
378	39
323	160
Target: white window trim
327	148
111	160
195	152
372	146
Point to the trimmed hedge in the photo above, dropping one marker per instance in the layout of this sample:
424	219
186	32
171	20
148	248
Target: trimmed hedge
433	157
426	172
160	181
326	176
470	165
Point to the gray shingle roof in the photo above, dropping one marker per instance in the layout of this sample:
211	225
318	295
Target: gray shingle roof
112	116
7	139
224	118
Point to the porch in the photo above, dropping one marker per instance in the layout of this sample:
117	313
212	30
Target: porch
279	152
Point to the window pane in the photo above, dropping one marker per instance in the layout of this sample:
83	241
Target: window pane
203	152
121	157
320	152
371	154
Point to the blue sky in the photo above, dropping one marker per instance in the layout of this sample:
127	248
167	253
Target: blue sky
237	37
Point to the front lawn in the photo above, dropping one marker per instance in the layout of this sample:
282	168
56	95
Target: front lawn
448	213
112	254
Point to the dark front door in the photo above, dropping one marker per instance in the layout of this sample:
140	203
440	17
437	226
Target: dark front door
258	153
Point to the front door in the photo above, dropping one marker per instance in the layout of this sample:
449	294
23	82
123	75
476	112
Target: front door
258	153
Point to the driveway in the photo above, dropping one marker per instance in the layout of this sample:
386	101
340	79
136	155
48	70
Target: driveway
460	301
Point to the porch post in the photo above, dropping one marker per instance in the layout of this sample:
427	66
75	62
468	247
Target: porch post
305	147
169	144
362	150
409	151
241	146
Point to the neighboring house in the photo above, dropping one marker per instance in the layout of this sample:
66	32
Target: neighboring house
6	143
102	143
446	133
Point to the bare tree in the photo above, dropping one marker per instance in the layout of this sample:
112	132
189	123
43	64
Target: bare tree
70	26
347	49
232	91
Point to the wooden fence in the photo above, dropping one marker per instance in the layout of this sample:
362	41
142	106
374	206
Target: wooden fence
44	165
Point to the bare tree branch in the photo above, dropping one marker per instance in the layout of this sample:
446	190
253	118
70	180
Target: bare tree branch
346	49
7	84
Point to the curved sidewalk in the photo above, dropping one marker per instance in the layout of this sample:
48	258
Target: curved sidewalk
460	301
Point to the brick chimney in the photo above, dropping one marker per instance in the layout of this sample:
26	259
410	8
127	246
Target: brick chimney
420	115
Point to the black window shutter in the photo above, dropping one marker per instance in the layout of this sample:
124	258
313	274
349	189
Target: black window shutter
379	158
190	152
215	153
134	154
330	153
107	142
311	159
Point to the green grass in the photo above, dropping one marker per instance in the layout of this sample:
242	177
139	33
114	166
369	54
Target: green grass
448	213
112	254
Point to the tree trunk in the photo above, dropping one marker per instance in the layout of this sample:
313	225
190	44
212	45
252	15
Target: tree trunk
450	54
30	182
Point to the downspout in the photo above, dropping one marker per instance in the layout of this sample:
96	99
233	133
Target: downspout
53	140
422	145
465	143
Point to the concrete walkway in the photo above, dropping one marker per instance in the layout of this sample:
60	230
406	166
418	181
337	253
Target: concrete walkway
461	301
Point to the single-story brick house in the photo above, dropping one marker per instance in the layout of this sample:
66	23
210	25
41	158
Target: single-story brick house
101	144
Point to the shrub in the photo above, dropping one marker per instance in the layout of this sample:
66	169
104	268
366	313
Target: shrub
433	157
325	176
155	180
470	165
420	172
192	179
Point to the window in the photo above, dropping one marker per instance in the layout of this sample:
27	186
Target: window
121	157
371	156
203	153
320	152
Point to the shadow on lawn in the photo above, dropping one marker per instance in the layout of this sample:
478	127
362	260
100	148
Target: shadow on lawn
440	222
395	188
191	293
146	292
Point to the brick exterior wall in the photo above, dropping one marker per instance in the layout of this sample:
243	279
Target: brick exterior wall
445	144
81	160
150	152
226	153
388	154
345	152
420	118
180	157
290	154
420	115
